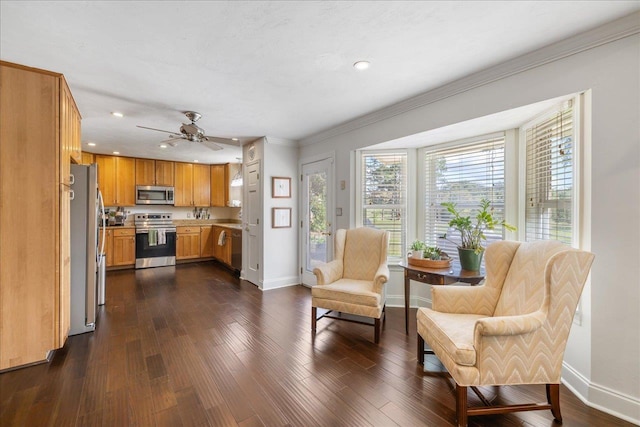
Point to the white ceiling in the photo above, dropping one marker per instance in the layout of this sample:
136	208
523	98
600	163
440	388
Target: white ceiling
281	69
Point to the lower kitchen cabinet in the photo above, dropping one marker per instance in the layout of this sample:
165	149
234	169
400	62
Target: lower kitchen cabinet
119	246
188	242
222	246
206	241
124	247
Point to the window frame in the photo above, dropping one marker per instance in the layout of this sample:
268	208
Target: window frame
410	202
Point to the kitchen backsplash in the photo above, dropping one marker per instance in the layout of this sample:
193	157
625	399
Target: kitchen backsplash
182	212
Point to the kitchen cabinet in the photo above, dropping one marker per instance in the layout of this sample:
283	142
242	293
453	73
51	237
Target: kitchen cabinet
124	247
222	193
117	180
145	172
187	242
192	185
206	241
40	123
222	252
87	158
108	245
154	172
164	173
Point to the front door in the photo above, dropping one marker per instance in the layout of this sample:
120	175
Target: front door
251	267
317	217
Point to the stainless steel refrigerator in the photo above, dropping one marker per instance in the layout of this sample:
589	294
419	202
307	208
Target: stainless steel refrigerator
86	211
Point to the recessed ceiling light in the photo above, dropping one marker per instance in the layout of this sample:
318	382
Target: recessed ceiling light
116	152
117	114
234	139
91	144
195	161
361	65
163	145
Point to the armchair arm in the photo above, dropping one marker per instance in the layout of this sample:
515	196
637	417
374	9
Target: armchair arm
509	325
328	272
382	277
464	299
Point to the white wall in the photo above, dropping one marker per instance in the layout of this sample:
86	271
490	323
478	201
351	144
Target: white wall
280	251
604	352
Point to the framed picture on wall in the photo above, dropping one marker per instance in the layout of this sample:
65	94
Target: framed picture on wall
280	217
280	187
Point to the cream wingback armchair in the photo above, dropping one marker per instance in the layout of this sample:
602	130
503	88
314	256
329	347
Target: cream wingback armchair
511	330
353	282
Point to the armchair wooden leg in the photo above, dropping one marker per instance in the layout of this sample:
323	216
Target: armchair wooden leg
314	319
420	350
553	398
461	405
377	327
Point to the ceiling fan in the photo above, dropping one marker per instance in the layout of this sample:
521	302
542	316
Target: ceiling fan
194	133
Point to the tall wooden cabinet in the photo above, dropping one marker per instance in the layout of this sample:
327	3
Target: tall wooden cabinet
117	180
192	184
39	134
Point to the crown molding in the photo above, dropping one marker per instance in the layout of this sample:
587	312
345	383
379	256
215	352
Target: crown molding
607	33
280	141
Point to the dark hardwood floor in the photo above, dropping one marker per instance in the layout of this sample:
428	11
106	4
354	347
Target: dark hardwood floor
195	346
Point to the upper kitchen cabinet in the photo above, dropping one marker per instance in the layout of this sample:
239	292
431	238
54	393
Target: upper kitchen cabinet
87	158
117	180
164	173
70	138
222	194
145	172
154	172
40	133
192	184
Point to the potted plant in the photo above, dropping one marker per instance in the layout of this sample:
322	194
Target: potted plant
470	248
417	249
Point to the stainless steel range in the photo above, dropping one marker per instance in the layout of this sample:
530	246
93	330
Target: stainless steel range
155	240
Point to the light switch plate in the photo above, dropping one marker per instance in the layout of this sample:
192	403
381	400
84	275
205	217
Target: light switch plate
338	211
343	184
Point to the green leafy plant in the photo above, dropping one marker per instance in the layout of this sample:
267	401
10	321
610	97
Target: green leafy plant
417	245
434	253
472	231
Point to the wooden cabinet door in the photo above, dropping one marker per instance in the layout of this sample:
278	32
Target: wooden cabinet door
107	178
124	247
164	173
222	252
201	185
87	158
145	172
126	181
108	246
188	245
69	124
219	185
183	195
206	241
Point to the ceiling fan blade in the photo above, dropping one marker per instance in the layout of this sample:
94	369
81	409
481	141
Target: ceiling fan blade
173	140
211	145
219	140
159	130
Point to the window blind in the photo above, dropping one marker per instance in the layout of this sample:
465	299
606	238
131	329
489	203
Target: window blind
463	175
384	196
549	178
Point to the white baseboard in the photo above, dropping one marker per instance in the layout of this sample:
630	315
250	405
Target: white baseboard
414	301
282	282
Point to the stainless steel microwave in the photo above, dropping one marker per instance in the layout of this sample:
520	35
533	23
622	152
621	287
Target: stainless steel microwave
154	195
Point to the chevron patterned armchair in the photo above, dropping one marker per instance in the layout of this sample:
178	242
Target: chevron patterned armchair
511	330
353	282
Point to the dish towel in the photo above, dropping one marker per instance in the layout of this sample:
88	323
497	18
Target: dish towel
221	238
162	236
153	237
